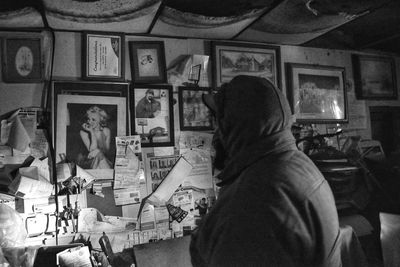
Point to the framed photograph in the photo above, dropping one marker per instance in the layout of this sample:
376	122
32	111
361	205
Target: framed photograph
153	116
193	113
317	94
103	56
147	61
85	124
22	59
232	59
374	77
194	74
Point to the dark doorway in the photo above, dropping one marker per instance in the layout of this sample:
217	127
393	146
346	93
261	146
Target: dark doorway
385	127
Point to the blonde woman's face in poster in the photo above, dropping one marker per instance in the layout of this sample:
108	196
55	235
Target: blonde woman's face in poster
93	120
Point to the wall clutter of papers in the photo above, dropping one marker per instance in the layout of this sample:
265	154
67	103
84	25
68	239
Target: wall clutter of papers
165	189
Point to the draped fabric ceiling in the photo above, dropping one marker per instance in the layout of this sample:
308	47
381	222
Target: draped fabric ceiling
340	24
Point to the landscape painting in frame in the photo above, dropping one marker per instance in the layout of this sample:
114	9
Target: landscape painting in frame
230	60
374	77
317	93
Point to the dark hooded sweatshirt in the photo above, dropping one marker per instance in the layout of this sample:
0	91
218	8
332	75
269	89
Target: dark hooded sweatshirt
274	208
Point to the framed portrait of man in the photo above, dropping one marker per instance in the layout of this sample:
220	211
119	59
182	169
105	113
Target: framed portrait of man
153	116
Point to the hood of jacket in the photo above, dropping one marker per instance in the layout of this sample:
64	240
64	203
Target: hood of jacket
254	120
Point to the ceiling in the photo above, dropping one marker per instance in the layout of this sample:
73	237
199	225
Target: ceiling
336	24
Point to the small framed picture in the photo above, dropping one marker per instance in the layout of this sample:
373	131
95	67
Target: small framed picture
194	74
153	116
194	115
103	56
317	93
374	77
147	61
22	60
233	59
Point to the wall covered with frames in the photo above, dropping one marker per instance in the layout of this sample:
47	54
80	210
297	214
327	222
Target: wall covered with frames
68	58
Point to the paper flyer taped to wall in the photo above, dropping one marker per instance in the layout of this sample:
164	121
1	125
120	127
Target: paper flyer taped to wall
171	182
167	187
129	169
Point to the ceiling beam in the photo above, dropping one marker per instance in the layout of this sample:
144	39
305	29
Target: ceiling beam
273	6
358	16
380	41
156	16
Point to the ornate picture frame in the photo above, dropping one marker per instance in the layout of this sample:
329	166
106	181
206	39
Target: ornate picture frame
152	114
374	77
194	115
147	61
103	56
22	59
317	93
232	59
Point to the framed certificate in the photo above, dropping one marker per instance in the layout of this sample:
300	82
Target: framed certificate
103	56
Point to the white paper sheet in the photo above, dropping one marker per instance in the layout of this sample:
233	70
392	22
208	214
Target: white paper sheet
190	139
128	169
78	256
201	174
170	183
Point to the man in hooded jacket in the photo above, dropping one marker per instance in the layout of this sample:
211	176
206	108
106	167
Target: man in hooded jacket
274	207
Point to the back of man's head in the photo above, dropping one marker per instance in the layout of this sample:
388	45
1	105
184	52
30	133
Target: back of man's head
249	100
249	110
